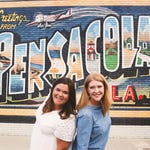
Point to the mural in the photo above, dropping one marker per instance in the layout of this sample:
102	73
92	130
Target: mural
37	46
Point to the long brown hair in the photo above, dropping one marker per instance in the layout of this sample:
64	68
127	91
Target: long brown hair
69	106
84	99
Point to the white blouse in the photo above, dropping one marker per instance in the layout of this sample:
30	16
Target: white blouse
50	126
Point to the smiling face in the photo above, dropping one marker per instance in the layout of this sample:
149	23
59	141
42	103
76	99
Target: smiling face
96	92
60	95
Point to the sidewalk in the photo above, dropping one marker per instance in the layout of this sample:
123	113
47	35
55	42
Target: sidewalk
22	143
128	144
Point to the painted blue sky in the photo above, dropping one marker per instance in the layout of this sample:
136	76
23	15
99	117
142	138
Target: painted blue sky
82	16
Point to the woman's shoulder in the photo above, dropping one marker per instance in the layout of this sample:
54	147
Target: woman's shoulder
71	118
85	111
70	121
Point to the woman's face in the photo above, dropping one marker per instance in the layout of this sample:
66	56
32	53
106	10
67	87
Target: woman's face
95	91
60	95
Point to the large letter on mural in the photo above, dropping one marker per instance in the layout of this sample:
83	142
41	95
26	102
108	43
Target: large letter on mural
6	49
74	55
18	70
36	65
111	44
128	50
54	50
143	41
130	94
115	96
92	57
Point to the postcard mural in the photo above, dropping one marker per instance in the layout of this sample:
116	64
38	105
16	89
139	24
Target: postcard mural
37	46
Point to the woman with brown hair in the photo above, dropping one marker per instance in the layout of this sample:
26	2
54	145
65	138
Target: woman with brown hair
93	120
55	118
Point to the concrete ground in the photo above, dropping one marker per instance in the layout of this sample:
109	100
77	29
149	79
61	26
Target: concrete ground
22	143
128	144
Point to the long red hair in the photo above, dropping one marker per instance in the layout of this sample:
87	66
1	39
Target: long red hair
106	100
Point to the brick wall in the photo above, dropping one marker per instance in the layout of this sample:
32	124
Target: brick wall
17	129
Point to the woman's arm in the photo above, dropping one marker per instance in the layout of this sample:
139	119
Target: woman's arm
84	129
64	133
62	145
